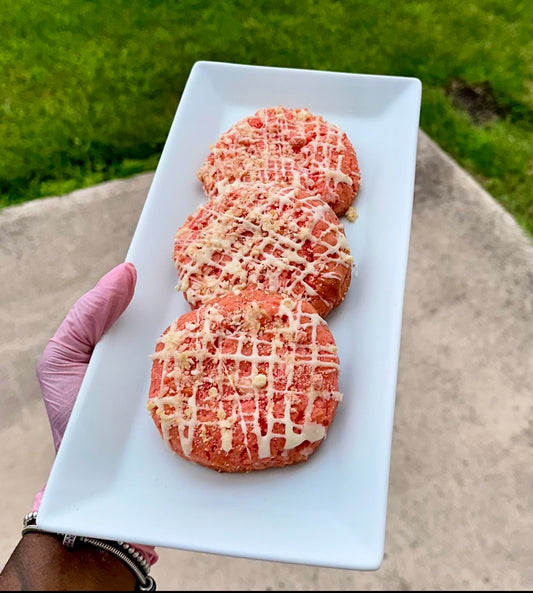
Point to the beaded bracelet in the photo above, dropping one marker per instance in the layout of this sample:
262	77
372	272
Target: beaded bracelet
128	554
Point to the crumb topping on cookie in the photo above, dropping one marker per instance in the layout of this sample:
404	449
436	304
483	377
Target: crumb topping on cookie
259	369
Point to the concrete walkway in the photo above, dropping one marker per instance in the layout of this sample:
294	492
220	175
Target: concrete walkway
460	510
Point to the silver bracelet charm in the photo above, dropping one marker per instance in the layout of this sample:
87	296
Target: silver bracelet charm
135	561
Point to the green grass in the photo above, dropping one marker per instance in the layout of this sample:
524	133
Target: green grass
88	89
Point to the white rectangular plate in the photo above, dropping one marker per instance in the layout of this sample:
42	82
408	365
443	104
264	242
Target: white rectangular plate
113	476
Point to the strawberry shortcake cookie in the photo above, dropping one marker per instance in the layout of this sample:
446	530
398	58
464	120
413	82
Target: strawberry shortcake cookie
290	146
246	381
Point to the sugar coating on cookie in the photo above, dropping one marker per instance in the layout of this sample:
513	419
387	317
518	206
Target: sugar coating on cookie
245	382
268	236
291	146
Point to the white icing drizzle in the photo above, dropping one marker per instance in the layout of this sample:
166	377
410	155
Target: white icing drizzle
285	145
274	237
212	363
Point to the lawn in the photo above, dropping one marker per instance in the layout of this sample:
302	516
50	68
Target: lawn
88	88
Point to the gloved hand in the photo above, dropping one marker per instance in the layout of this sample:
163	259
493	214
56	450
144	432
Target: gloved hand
62	365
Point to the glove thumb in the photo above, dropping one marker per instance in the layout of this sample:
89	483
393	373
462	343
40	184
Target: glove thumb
62	365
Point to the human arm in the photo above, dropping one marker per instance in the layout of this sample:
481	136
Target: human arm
40	561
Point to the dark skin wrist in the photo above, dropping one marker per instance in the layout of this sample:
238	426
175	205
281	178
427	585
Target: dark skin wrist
40	562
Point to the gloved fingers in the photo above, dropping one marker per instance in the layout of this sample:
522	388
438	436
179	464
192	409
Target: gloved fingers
60	382
95	312
62	365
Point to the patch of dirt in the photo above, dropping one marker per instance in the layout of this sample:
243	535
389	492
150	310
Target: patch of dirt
477	100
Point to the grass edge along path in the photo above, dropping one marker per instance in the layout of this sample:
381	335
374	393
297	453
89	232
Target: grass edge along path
89	89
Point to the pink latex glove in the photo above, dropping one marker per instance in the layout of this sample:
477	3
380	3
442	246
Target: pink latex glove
62	365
